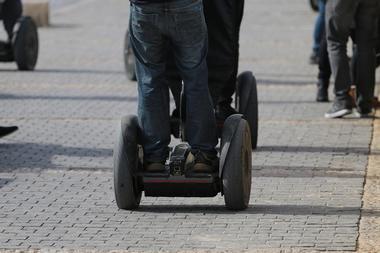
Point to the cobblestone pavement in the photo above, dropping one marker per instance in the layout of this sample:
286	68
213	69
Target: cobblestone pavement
56	171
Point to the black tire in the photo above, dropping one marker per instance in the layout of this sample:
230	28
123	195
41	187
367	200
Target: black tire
314	5
129	59
127	191
247	103
25	44
237	168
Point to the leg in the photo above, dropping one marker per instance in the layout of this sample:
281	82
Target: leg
223	20
190	49
149	45
324	71
12	11
323	63
339	18
318	31
366	60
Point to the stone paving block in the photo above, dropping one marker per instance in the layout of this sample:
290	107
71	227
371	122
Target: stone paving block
56	172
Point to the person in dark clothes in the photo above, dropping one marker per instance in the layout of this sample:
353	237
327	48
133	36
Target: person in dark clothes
156	28
10	12
223	18
340	16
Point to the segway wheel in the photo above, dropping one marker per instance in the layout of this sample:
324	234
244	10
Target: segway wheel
236	162
127	191
247	103
314	5
129	59
25	44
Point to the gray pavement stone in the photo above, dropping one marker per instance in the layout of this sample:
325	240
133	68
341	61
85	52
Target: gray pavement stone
55	172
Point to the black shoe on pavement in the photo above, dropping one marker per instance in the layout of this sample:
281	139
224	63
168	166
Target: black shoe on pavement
322	91
339	109
7	130
204	163
365	114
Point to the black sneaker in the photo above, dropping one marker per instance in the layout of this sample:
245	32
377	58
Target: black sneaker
338	110
365	114
204	163
7	130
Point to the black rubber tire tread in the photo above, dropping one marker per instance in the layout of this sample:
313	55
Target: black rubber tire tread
237	171
129	59
127	193
314	5
25	44
247	103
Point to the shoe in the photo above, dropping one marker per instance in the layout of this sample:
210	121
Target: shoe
364	114
339	109
7	130
314	58
223	111
322	91
154	167
204	163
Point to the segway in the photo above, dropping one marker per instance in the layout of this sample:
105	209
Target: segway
232	178
23	49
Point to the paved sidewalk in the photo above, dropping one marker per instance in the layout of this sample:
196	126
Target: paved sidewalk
56	171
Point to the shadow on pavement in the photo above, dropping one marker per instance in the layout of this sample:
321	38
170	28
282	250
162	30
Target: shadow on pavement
34	156
70	71
304	172
260	210
284	82
302	149
81	98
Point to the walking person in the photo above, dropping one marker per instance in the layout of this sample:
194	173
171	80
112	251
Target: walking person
341	15
10	12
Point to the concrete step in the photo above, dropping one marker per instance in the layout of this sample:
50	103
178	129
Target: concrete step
38	10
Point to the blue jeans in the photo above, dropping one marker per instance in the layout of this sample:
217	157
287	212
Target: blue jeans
178	27
319	26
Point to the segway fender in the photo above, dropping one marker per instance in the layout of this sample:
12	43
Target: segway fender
230	126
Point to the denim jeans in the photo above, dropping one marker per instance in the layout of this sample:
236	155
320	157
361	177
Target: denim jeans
177	27
319	26
341	15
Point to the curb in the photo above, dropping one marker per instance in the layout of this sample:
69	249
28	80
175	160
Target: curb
38	10
369	228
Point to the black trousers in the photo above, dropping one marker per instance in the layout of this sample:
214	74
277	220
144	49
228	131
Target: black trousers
223	18
10	12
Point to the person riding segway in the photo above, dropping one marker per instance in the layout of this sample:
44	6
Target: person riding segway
21	45
223	18
142	161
